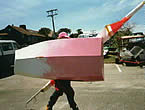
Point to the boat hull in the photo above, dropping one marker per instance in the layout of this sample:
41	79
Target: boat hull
83	60
65	68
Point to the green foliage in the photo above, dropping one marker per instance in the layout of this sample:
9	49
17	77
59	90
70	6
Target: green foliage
45	31
74	35
67	30
79	31
110	59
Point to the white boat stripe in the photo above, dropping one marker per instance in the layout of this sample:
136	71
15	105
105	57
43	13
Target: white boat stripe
110	29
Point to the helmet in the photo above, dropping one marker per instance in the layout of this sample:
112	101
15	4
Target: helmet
63	35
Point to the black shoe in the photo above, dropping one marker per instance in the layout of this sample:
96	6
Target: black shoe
76	108
48	108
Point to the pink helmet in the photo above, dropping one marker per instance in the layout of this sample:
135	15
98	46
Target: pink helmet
63	35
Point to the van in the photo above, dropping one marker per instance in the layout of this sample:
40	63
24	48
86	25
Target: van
7	55
7	47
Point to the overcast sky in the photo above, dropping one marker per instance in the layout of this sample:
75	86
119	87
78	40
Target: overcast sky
73	14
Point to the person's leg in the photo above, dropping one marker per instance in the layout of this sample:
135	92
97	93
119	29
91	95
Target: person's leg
70	96
54	98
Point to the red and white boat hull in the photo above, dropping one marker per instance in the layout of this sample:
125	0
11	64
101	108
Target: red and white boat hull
66	59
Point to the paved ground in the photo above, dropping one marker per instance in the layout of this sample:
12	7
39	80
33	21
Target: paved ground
123	89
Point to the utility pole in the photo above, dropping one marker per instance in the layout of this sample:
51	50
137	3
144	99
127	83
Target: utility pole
52	13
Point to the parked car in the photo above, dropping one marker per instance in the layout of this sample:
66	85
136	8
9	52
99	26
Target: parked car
105	51
7	55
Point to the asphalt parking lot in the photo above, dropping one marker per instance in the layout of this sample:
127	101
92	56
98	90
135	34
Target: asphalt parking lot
123	89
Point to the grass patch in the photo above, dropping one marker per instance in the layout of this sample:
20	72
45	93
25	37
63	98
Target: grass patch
110	59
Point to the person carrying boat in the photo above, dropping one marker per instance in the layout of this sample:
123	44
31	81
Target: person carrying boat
62	86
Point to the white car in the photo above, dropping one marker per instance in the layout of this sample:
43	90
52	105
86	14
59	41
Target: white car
7	47
7	55
105	51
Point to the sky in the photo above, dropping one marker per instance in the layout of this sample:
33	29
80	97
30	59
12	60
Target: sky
74	14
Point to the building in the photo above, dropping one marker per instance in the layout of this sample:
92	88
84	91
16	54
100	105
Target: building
21	35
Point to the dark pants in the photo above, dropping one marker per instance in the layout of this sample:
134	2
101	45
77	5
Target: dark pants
63	86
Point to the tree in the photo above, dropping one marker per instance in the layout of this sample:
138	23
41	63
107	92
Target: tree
127	29
79	31
45	31
74	35
67	30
